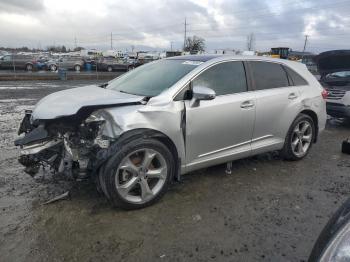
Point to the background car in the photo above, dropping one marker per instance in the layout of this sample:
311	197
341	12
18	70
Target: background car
113	64
334	67
69	63
14	61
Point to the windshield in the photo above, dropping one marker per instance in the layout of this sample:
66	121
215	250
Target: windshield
152	79
341	74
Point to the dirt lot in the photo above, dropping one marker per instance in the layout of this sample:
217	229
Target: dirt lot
267	210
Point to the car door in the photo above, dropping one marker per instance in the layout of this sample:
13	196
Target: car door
220	130
277	104
6	62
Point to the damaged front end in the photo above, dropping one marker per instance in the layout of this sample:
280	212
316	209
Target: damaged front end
67	145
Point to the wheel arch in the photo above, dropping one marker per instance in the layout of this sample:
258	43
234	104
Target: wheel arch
29	63
314	118
130	135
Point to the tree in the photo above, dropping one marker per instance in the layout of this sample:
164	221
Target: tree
78	48
194	44
251	42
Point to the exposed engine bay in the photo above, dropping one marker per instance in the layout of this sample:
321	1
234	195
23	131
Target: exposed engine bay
67	145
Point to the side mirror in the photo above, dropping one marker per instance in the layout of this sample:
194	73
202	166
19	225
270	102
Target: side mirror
201	93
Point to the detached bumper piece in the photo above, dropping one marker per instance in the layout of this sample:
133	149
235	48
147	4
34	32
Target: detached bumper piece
346	147
35	135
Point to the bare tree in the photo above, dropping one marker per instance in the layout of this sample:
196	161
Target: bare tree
251	42
195	44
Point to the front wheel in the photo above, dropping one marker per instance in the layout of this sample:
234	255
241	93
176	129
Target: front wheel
139	174
299	138
77	68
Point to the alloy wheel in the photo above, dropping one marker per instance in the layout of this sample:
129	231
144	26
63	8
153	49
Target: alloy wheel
301	138
141	175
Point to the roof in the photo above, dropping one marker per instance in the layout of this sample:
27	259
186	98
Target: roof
202	58
217	58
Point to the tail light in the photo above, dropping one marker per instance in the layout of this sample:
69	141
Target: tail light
324	94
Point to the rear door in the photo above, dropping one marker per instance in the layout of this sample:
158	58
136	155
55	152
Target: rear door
220	129
277	103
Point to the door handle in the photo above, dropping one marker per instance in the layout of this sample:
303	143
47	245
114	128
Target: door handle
247	104
292	96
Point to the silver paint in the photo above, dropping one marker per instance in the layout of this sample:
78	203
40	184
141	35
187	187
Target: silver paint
219	130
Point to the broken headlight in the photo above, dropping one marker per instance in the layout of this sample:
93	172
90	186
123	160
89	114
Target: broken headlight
95	118
97	123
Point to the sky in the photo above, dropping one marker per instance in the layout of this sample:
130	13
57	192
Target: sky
159	24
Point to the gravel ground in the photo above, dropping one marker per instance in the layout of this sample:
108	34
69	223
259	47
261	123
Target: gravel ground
266	210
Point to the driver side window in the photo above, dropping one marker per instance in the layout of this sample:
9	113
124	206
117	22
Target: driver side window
224	78
6	58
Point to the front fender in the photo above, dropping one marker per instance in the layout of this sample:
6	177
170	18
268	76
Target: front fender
166	119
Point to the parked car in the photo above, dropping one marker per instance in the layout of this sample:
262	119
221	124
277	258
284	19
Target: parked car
18	62
334	68
333	244
113	64
69	63
153	124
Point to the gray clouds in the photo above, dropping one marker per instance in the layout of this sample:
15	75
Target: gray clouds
155	23
21	6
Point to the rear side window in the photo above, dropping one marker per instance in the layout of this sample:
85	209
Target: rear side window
295	78
224	78
268	75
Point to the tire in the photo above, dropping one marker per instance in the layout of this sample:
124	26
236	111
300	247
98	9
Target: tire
77	68
29	67
133	183
100	185
130	68
109	69
53	68
298	143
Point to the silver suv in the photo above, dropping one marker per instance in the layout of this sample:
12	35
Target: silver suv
334	67
145	129
69	63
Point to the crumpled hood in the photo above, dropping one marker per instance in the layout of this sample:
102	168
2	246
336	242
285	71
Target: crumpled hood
68	102
333	61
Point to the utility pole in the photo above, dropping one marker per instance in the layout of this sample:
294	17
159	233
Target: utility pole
171	45
185	35
306	37
111	41
75	41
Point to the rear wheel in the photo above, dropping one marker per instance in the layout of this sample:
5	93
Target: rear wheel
53	68
29	67
139	174
299	138
109	69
